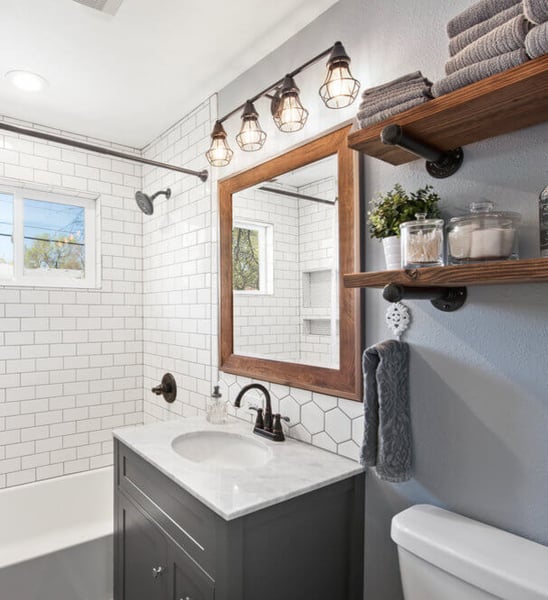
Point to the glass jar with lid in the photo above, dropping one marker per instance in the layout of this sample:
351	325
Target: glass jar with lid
484	234
422	242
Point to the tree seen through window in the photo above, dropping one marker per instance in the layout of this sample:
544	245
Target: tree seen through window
245	259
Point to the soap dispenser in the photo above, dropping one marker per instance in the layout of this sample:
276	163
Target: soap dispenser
216	408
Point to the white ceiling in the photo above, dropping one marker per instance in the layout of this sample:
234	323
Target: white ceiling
125	78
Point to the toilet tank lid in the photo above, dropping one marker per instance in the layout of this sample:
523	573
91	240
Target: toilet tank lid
501	563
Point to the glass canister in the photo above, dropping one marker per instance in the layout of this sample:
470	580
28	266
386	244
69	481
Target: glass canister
483	235
422	242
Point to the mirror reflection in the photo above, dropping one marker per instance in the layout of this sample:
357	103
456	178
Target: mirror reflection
285	261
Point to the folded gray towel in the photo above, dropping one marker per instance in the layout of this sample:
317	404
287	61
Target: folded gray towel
377	106
472	34
417	75
536	42
503	39
477	13
400	88
536	10
479	71
394	96
390	112
387	431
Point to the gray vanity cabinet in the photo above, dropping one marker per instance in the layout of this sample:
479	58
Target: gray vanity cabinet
169	546
145	554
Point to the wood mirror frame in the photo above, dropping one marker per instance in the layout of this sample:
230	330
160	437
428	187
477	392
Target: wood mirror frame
346	381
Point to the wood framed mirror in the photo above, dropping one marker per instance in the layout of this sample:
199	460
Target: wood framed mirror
289	231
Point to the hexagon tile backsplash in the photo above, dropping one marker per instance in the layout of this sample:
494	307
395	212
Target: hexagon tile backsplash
334	424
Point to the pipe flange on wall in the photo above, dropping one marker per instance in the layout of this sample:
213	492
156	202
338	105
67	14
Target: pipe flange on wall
439	164
446	299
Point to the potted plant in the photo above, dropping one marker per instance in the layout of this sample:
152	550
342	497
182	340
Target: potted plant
389	210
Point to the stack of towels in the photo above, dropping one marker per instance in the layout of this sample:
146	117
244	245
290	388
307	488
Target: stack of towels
536	42
485	39
379	103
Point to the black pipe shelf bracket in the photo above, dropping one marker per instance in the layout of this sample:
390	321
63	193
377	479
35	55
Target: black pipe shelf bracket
446	299
438	164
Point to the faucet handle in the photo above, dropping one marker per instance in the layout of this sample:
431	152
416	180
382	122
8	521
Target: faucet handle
259	421
277	429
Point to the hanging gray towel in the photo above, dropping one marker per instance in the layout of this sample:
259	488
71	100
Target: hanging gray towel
468	36
387	431
536	10
477	13
536	42
503	39
479	71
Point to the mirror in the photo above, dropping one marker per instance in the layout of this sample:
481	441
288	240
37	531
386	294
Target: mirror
289	231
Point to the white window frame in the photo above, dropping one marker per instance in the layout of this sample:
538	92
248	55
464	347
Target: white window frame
91	246
266	256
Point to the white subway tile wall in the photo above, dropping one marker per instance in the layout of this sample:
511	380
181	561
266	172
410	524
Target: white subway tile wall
178	271
71	360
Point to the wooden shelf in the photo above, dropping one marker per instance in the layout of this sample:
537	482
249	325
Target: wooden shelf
503	103
532	270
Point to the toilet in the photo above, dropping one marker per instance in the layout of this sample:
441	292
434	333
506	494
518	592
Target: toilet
445	556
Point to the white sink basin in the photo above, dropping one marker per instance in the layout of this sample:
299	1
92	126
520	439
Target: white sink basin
222	449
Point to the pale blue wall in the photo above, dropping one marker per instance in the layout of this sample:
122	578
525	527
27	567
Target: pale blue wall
478	376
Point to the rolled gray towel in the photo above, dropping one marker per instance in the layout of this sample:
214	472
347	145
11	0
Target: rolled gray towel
479	71
503	39
393	110
397	94
387	437
536	10
536	42
468	36
477	13
416	75
376	106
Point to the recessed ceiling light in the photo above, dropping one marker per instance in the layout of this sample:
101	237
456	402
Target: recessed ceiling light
26	81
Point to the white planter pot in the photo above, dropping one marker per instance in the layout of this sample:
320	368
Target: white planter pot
392	252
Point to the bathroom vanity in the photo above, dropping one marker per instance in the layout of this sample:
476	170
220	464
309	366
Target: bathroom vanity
192	523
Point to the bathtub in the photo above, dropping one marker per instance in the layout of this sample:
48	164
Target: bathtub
56	538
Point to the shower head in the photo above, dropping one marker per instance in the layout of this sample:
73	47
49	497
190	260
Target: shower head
144	201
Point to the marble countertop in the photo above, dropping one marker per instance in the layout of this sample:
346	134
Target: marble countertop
293	468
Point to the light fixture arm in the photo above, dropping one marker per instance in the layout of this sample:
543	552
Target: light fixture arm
276	84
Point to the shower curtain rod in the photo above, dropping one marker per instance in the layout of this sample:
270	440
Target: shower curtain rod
100	150
274	190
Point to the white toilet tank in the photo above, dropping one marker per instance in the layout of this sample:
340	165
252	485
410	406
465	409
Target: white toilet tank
445	556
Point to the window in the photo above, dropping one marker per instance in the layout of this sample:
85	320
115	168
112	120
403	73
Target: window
252	269
46	239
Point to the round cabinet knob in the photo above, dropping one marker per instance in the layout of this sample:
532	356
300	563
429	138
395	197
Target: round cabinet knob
157	571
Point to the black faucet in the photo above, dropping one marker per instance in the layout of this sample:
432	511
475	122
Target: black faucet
267	425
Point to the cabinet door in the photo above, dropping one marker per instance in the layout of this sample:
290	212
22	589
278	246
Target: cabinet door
143	554
189	581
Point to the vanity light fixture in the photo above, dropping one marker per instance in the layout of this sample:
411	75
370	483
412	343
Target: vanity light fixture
219	153
251	136
287	111
339	90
